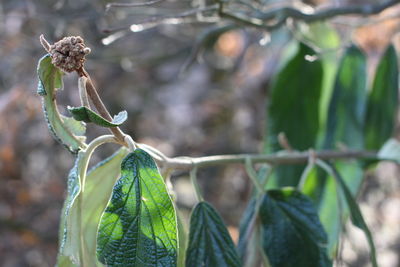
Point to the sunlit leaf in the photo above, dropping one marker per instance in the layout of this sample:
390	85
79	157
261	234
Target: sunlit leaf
209	241
50	79
87	115
138	227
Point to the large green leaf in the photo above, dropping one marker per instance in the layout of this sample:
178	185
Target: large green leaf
292	234
209	241
138	227
50	79
382	102
83	209
87	115
345	126
294	109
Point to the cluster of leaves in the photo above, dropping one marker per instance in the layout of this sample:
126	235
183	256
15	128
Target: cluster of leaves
324	109
120	213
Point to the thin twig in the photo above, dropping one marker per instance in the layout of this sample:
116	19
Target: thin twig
187	163
149	3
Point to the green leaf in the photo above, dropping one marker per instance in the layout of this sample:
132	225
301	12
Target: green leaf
346	112
332	212
78	230
345	127
356	215
50	79
382	102
294	109
209	241
390	151
87	115
292	233
138	227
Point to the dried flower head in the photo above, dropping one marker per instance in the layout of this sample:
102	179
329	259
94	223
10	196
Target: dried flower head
69	53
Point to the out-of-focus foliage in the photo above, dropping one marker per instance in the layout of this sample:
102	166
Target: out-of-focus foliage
224	88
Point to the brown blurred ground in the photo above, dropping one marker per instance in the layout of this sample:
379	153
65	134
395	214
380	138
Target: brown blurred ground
215	107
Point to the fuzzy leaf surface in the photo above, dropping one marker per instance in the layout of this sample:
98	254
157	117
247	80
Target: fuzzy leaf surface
92	201
139	225
50	79
292	233
209	241
87	115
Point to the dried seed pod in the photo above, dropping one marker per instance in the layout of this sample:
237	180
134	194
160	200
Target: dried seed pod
69	53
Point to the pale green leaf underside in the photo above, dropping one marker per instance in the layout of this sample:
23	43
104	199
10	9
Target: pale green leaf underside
92	201
50	79
87	115
209	241
390	151
139	225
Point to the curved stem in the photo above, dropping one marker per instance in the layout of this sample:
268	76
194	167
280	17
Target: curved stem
193	179
253	175
83	166
88	154
100	107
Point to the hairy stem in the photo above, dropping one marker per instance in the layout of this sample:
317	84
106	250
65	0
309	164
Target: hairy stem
100	107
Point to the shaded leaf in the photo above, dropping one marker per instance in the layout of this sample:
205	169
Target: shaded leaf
345	124
50	79
294	109
356	215
209	241
87	115
345	127
138	227
382	102
292	233
92	201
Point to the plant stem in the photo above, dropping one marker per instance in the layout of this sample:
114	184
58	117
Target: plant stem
83	166
100	107
187	163
193	179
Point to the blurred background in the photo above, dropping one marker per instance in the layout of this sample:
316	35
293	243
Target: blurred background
183	96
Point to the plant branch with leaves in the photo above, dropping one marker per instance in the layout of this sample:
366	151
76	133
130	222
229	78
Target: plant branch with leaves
121	213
